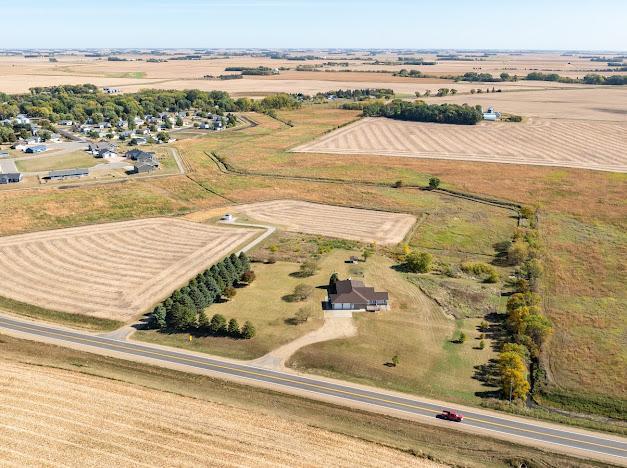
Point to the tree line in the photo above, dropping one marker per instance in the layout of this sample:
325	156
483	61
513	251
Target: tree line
81	102
420	111
529	328
591	78
359	94
184	310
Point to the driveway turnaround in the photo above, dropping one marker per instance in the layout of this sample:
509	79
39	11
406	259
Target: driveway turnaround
583	443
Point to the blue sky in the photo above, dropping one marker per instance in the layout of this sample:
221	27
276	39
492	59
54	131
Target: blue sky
495	24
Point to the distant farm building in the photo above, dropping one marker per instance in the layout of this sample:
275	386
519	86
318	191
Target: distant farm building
67	174
491	115
354	295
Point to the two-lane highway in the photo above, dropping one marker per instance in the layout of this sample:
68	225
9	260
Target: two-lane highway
377	400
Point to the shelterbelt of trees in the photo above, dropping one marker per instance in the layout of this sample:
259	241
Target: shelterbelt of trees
591	78
80	102
184	310
419	111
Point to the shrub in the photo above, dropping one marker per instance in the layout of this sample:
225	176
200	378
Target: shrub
462	337
517	253
418	262
302	315
481	344
233	328
434	183
248	276
481	270
308	268
397	184
248	330
302	291
230	292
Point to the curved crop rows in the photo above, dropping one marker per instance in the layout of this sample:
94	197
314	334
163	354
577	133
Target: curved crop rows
333	221
598	145
115	270
54	417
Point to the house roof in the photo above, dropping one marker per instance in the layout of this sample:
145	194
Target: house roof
354	292
68	172
102	145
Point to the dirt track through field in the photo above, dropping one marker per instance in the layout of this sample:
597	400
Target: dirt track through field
598	145
333	221
114	270
63	418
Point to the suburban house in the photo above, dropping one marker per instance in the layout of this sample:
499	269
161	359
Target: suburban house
139	140
36	149
354	295
139	155
67	174
10	177
102	149
55	138
21	119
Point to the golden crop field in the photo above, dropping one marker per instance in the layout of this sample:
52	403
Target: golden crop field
333	221
55	417
566	143
113	271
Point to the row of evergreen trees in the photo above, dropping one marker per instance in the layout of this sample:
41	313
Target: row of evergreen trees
420	111
184	310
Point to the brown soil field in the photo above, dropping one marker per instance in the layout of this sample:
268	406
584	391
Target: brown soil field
333	221
577	144
55	417
113	271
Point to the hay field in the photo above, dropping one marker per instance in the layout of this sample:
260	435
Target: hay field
113	271
574	143
333	221
55	417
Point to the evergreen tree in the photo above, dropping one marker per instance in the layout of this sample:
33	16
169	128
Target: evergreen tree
248	330
244	261
204	323
185	290
176	296
225	275
187	301
233	328
157	320
236	264
233	275
208	295
213	288
198	298
218	325
168	303
183	317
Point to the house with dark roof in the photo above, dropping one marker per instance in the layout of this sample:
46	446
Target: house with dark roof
102	149
143	167
67	174
354	295
36	149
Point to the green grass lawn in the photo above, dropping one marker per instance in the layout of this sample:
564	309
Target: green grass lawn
417	330
262	304
52	162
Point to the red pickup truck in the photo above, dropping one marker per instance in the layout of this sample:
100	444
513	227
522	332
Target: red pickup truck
451	415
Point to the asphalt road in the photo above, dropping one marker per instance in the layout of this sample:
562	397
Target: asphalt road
541	434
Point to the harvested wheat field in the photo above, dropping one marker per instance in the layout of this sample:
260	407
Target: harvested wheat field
566	143
59	417
333	221
114	271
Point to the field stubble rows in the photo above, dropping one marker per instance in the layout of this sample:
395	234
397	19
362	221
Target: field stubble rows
333	221
567	143
113	271
53	416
